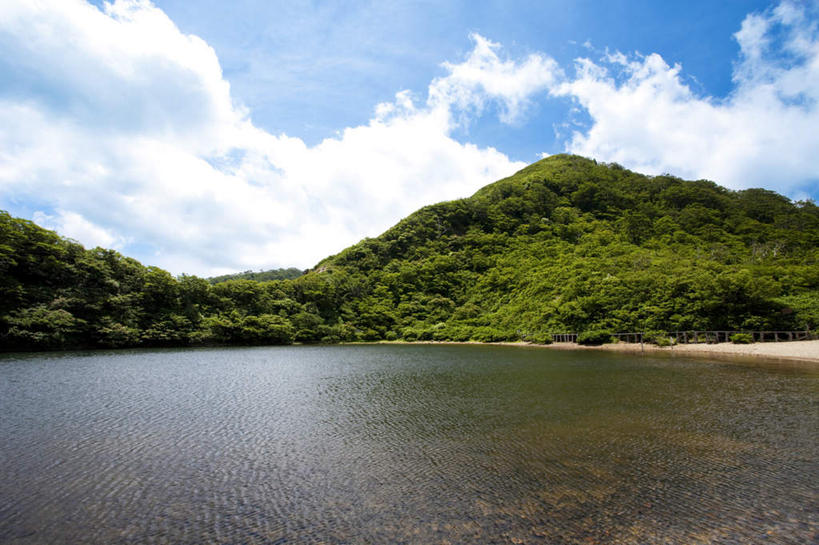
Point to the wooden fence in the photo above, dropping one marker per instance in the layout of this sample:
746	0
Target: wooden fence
690	336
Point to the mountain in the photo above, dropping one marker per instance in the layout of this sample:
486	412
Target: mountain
260	276
569	244
566	244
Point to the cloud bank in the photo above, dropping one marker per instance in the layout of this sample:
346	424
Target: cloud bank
120	130
643	114
117	129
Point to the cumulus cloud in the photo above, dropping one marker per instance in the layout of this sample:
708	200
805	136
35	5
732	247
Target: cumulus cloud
644	115
74	226
484	77
122	131
118	129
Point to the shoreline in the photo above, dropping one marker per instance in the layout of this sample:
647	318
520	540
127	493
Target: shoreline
806	352
796	353
787	351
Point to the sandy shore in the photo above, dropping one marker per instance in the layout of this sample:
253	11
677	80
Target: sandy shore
793	351
806	351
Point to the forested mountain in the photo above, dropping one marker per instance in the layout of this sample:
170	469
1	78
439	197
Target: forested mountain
260	276
566	244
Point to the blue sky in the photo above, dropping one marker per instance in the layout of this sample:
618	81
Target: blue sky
209	137
312	68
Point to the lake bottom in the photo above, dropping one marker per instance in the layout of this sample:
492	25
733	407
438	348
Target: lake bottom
404	444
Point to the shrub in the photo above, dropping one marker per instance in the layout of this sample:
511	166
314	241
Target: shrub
417	333
42	328
594	337
742	338
266	329
370	335
342	332
306	336
665	340
115	335
540	338
391	336
488	335
660	338
459	333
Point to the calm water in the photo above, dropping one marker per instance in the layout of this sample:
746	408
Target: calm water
404	444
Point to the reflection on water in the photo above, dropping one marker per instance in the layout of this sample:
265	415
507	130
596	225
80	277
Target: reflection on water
404	444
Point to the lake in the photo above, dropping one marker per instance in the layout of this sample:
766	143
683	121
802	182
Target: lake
390	444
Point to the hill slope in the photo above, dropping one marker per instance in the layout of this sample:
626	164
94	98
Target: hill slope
570	244
564	244
260	276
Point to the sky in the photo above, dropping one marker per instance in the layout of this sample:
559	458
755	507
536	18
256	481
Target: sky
212	137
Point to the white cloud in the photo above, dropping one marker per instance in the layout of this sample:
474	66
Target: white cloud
72	225
484	77
122	131
764	133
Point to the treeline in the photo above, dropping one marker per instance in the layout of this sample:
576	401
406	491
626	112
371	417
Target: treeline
566	244
259	276
54	294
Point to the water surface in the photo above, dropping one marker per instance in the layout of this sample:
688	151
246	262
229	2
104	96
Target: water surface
404	444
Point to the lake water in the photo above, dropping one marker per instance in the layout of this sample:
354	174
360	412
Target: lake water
404	444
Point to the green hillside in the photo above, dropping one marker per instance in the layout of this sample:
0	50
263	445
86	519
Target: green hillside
259	276
566	244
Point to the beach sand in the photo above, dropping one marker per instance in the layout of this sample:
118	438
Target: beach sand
793	351
805	351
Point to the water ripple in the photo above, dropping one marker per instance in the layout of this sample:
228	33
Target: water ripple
412	444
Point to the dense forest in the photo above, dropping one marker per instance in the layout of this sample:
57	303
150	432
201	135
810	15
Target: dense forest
566	244
260	276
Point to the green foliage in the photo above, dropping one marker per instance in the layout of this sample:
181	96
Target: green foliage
489	334
233	328
42	328
804	306
742	338
260	276
595	337
660	338
566	244
266	329
540	338
116	335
